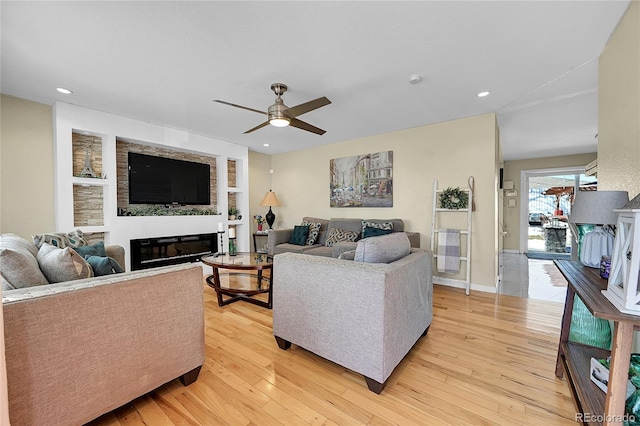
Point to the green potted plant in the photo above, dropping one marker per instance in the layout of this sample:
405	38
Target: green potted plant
232	213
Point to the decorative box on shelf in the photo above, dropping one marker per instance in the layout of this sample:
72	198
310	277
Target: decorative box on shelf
623	287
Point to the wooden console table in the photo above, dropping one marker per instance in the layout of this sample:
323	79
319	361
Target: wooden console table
574	358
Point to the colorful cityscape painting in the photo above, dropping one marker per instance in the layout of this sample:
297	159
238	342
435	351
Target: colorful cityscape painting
362	180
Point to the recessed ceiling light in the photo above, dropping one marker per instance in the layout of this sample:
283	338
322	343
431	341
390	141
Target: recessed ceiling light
63	90
483	94
265	144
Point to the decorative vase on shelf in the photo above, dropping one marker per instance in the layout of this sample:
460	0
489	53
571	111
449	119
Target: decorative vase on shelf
259	227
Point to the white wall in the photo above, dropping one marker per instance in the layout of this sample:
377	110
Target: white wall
120	229
450	151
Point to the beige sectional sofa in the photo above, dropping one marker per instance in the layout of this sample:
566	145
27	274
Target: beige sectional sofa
278	240
78	349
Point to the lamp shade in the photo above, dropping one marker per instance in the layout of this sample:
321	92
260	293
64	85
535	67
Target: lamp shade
596	207
270	199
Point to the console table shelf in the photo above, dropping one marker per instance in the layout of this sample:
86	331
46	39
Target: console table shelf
574	358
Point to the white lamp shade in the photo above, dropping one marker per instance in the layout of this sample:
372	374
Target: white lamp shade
596	207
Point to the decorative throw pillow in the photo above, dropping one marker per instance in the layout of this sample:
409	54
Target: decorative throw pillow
96	249
103	265
336	235
61	240
383	249
378	225
370	231
18	262
60	265
314	231
299	236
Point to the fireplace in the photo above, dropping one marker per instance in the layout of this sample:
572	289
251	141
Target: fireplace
153	252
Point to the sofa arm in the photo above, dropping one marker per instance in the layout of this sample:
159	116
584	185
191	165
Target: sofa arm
275	237
117	253
342	246
414	239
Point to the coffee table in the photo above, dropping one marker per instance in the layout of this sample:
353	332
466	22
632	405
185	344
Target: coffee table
246	283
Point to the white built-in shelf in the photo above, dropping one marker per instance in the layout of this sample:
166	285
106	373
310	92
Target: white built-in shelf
89	181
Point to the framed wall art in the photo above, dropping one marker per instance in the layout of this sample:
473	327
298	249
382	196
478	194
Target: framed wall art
362	180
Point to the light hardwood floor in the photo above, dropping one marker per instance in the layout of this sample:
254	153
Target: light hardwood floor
487	360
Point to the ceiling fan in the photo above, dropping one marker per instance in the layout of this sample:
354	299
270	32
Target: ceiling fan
280	115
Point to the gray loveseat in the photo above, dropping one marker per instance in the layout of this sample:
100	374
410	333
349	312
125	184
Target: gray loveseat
363	316
278	240
78	349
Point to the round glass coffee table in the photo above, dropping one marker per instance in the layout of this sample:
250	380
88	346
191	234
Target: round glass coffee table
242	279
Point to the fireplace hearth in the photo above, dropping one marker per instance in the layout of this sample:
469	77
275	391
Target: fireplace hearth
152	252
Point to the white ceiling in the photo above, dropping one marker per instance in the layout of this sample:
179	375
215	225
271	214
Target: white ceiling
164	62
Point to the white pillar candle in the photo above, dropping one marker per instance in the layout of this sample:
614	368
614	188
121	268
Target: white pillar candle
232	232
220	227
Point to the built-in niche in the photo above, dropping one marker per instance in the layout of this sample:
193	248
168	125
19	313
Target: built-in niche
122	150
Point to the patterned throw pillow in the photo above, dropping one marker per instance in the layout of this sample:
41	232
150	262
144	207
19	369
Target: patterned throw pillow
60	265
314	231
299	235
336	235
378	225
61	240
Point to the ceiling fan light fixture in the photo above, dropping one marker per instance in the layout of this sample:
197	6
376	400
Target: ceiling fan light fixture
279	122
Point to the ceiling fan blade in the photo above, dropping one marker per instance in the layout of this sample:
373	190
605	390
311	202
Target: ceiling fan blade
259	126
307	106
306	126
239	106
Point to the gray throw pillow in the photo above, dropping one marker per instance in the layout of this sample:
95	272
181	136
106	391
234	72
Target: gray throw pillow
383	249
18	262
60	265
103	265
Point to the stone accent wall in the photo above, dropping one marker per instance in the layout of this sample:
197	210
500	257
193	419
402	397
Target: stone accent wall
122	150
88	205
82	143
231	173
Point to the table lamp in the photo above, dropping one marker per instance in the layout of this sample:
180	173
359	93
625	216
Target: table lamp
591	210
270	199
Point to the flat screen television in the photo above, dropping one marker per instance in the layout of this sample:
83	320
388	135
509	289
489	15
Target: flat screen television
159	180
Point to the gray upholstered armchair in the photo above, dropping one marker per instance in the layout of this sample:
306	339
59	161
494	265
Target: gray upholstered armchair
363	316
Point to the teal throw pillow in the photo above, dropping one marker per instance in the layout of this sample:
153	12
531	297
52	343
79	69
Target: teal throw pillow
103	265
96	249
370	231
299	236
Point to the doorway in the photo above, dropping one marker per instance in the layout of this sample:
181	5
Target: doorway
546	197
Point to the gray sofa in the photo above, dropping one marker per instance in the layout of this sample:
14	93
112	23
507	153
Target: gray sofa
78	349
363	316
278	240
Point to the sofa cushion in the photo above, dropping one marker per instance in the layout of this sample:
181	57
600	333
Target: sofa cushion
299	235
319	251
96	249
103	265
314	231
62	264
18	262
372	231
383	249
61	240
348	255
335	235
347	224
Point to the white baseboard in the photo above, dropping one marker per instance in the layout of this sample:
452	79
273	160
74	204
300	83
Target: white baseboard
456	284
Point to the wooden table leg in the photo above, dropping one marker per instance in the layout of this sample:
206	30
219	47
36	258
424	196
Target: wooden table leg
565	328
619	373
